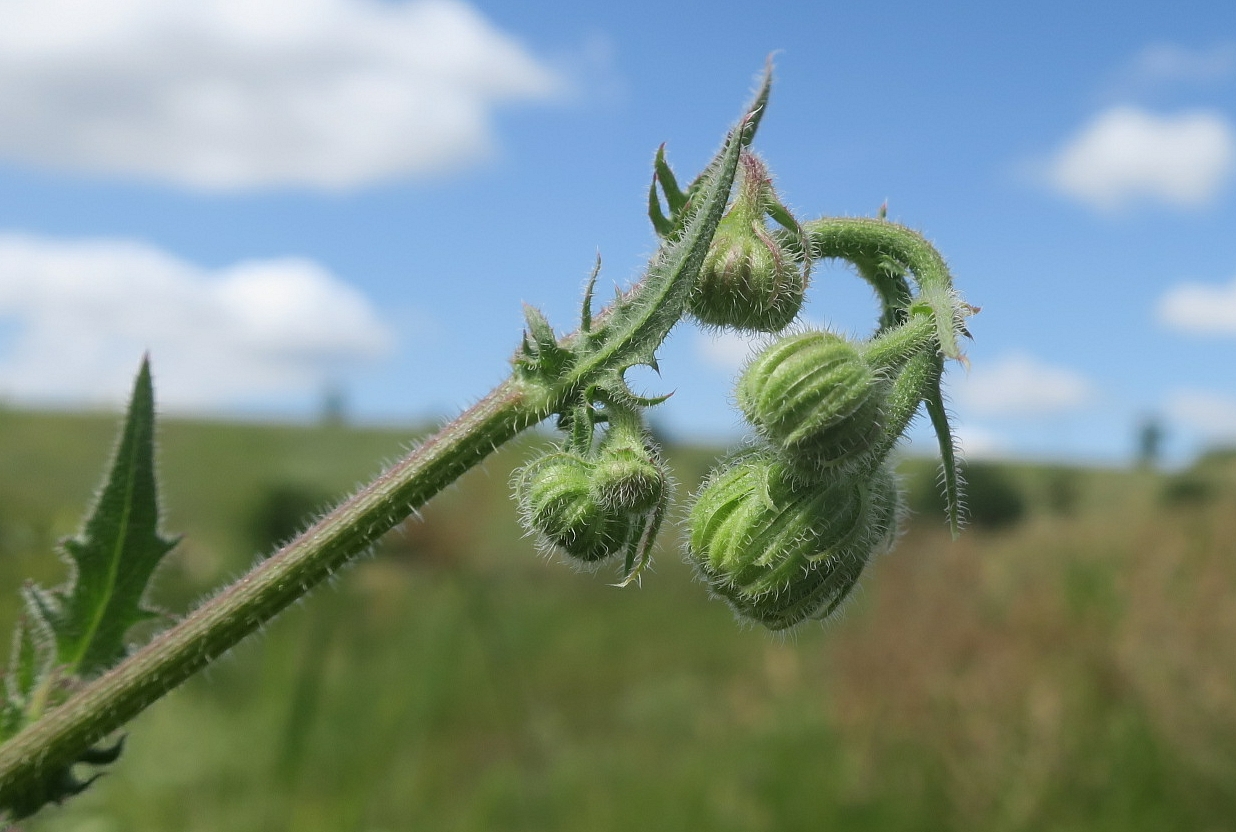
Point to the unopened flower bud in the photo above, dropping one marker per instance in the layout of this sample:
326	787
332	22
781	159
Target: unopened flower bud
781	551
627	475
750	279
556	497
814	396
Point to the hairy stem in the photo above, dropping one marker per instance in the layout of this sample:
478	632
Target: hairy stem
219	624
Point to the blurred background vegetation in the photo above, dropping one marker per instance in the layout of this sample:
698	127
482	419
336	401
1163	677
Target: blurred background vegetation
1069	663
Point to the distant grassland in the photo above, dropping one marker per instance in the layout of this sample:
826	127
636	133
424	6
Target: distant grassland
1071	669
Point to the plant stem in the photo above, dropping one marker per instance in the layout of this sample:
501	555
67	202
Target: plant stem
110	701
633	327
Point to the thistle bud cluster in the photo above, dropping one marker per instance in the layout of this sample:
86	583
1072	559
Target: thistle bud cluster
590	504
780	549
784	531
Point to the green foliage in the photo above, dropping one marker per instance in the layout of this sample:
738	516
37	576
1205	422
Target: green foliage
1211	476
1188	488
995	501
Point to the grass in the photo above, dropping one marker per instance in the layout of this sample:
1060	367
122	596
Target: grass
1072	671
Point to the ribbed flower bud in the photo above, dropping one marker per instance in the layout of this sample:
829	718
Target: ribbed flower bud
815	397
749	279
556	498
780	550
627	476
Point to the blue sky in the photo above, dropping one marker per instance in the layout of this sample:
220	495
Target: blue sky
278	196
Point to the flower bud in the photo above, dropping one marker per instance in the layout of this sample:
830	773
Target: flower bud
815	397
781	551
749	279
627	476
556	501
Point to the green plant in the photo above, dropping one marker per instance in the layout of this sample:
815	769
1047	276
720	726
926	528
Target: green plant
781	532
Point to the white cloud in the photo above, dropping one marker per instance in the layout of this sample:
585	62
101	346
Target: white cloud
1211	414
235	94
1168	62
1200	309
727	350
1019	385
979	443
1127	155
82	312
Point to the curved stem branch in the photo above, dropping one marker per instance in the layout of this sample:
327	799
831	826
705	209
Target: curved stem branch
866	242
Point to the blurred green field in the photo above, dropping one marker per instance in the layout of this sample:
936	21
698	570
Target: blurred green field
1069	664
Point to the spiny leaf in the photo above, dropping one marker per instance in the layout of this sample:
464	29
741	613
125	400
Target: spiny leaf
78	629
116	553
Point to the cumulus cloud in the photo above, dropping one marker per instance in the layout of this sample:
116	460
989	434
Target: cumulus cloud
235	94
1211	414
79	314
1020	385
1127	155
1170	62
1200	309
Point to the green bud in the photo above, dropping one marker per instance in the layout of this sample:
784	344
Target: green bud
749	279
814	396
556	501
781	551
627	475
